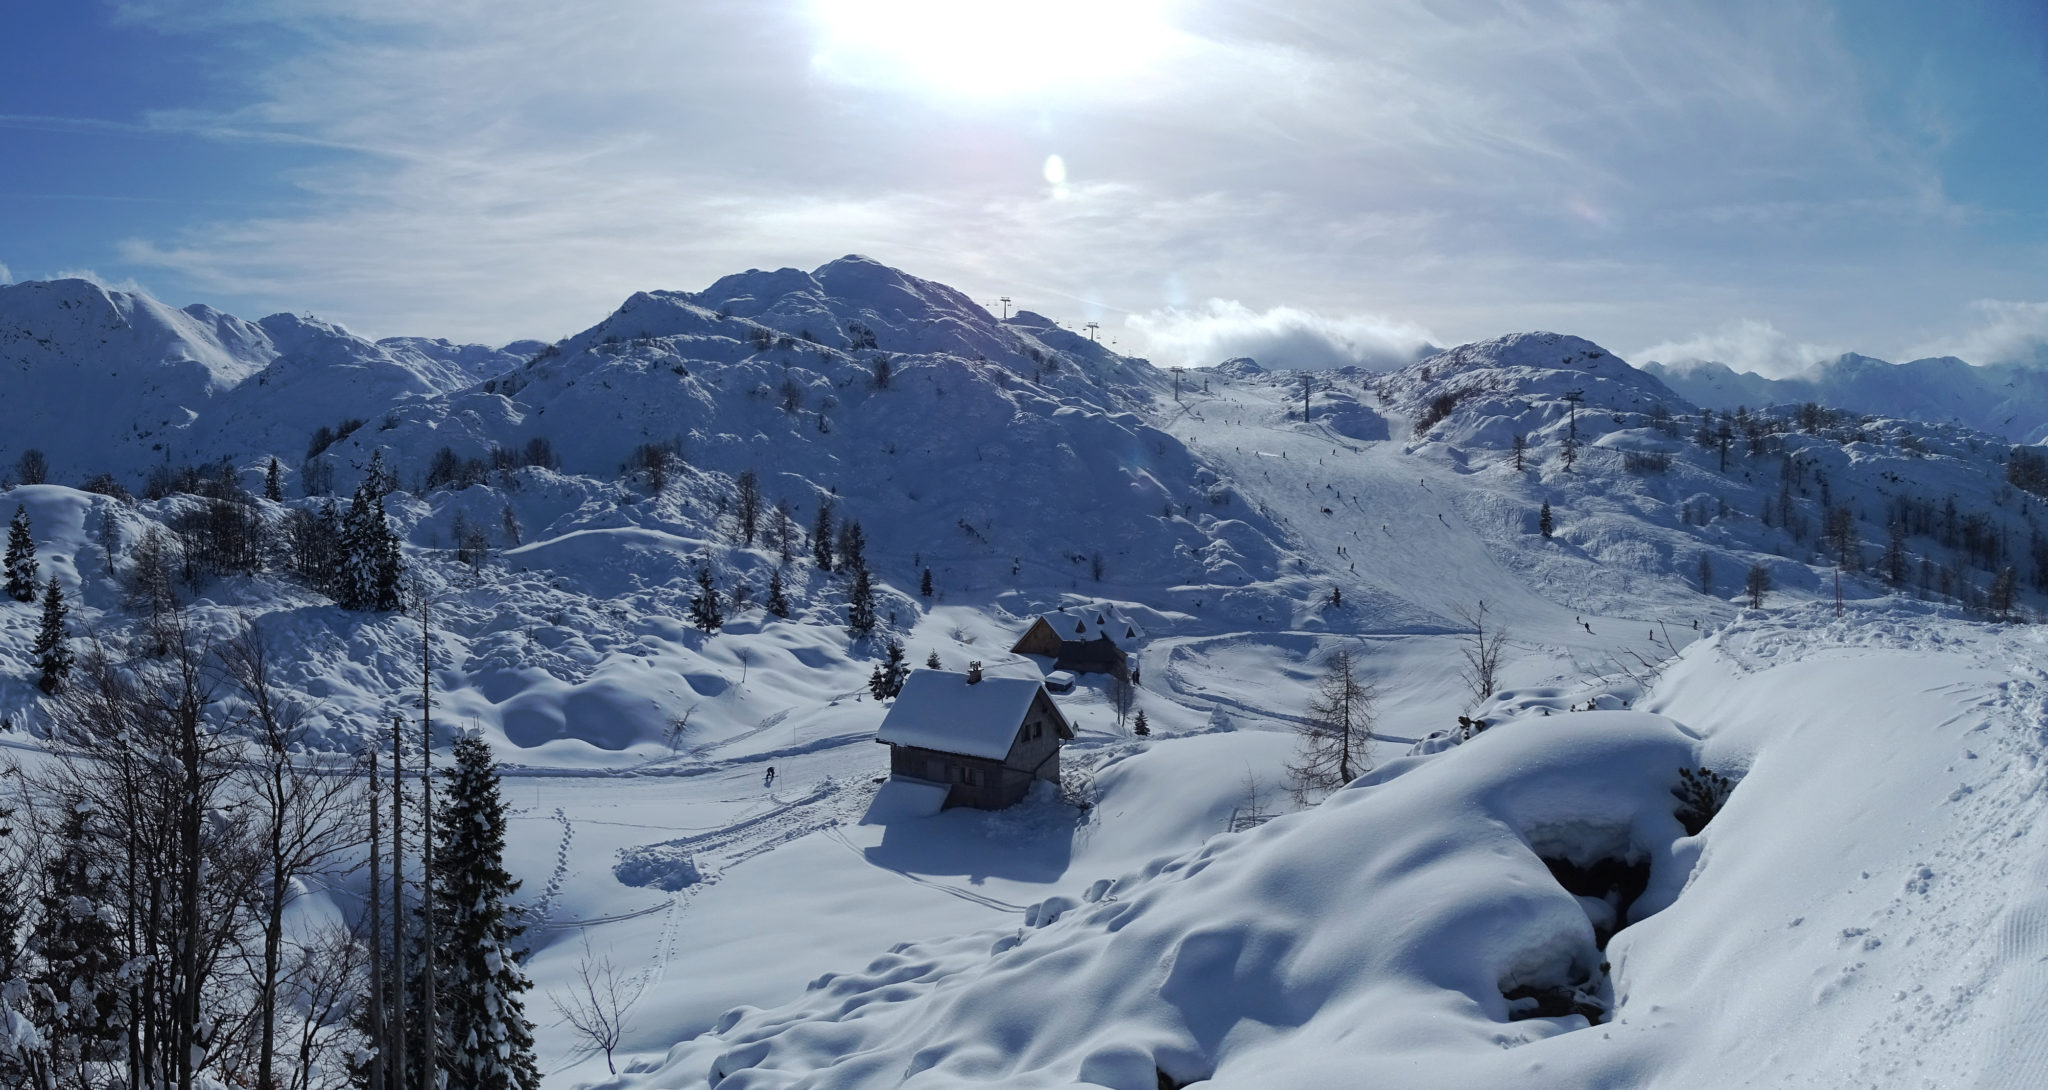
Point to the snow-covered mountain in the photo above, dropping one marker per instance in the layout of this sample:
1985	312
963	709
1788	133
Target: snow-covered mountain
1522	905
114	382
2004	399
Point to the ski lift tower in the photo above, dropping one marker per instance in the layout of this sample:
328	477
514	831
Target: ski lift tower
1573	398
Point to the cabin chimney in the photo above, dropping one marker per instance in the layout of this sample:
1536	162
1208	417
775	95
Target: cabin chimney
974	672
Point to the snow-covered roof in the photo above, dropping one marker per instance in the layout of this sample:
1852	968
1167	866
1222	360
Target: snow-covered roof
938	709
1093	621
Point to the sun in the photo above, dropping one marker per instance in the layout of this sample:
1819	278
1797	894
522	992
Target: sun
991	48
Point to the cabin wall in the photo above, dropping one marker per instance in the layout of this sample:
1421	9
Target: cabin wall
1039	639
999	786
1037	758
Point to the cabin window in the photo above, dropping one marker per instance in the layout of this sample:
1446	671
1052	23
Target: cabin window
972	777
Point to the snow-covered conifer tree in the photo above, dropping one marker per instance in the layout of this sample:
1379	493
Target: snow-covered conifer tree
778	602
77	996
273	483
390	564
21	558
821	536
486	1041
704	611
371	565
52	648
860	603
853	546
887	679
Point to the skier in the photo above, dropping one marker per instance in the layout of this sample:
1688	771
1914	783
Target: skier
769	779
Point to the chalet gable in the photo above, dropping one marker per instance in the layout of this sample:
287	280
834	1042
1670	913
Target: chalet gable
1078	624
940	710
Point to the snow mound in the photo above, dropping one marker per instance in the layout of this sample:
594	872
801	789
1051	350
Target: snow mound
1396	916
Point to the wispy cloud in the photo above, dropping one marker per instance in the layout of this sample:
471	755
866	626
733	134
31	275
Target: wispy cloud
6	274
127	284
1745	345
1469	165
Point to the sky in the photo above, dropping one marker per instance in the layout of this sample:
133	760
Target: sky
1766	183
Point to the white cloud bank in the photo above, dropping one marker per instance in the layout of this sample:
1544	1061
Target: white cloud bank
1743	345
1278	337
2003	331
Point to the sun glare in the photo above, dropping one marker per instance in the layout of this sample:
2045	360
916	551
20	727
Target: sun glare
987	48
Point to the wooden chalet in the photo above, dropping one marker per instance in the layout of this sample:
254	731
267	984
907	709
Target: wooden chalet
1085	639
986	739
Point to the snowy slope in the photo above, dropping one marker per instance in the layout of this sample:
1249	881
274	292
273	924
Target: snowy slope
1370	940
116	382
2005	399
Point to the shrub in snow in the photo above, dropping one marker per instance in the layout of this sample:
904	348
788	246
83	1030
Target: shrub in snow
1701	792
1440	407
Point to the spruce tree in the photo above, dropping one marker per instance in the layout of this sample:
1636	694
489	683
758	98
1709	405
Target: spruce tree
704	611
390	564
21	558
273	483
371	565
355	576
853	546
931	661
381	481
924	583
821	536
778	603
888	676
486	1042
1140	726
53	644
77	993
1543	522
860	604
782	532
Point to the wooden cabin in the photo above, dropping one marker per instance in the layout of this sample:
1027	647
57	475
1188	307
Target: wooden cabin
987	739
1092	639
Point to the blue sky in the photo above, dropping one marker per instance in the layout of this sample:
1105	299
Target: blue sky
1322	180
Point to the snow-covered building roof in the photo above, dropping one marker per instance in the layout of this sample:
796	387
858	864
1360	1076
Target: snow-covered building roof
938	709
1080	624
